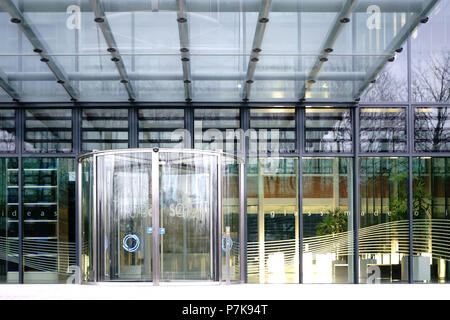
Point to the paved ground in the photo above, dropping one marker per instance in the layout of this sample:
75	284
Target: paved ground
201	291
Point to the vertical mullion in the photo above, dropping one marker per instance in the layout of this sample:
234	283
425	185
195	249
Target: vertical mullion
356	194
132	125
76	131
189	125
20	128
410	169
245	124
300	218
300	146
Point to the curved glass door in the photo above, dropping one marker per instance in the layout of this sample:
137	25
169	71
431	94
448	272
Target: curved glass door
160	215
187	205
125	212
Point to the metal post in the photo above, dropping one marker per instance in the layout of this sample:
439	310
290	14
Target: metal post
242	222
219	212
227	254
95	220
356	183
155	217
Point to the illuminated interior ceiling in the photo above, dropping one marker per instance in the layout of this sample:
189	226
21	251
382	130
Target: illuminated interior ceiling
199	50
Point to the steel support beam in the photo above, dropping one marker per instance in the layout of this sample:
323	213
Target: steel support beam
102	21
263	18
327	47
394	45
183	30
227	6
40	47
206	76
8	87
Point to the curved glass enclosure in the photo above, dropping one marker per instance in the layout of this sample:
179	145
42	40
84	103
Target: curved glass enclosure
160	215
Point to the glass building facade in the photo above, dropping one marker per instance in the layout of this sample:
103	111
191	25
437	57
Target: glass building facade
340	109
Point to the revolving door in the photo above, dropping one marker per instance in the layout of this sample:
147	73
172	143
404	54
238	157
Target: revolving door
160	215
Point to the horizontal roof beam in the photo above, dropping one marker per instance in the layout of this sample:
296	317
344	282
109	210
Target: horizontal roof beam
209	76
40	47
226	6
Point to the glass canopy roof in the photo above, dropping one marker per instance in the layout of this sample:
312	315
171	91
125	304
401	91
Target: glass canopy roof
199	50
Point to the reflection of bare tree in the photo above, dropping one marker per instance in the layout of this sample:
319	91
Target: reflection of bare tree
387	88
431	80
430	129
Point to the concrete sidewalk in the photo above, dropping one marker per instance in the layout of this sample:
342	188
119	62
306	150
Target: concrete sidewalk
208	291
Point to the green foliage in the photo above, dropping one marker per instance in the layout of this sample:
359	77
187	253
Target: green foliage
335	221
421	201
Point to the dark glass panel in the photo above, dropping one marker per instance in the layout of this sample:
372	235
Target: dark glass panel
7	130
432	129
431	220
104	129
48	194
328	130
9	244
157	128
48	130
382	130
273	130
327	220
384	220
215	129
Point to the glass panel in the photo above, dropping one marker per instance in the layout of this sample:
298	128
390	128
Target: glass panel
187	206
7	130
328	130
327	220
125	211
48	130
87	225
162	128
273	221
430	57
391	84
103	129
9	226
384	220
432	129
215	129
382	130
274	130
431	223
48	219
231	216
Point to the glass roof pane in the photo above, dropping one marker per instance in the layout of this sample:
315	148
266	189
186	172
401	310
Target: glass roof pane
156	32
314	27
281	34
276	90
215	32
102	91
40	91
160	90
217	90
221	36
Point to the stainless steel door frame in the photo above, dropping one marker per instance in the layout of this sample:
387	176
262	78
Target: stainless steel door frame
216	215
155	218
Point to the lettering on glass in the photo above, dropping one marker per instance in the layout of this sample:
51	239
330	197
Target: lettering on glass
74	19
374	20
